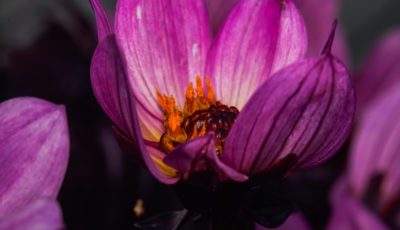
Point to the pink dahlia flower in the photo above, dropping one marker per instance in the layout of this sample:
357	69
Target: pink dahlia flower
262	102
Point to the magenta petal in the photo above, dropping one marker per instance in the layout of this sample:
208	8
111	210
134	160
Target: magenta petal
40	214
151	156
111	89
103	24
294	222
34	148
341	189
318	17
109	84
306	109
183	157
258	38
376	147
193	155
218	10
349	214
164	45
380	71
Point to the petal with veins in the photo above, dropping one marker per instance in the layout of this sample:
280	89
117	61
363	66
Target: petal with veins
258	38
306	109
164	46
112	91
34	148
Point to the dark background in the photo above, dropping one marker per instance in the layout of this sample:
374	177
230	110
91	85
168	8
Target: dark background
45	51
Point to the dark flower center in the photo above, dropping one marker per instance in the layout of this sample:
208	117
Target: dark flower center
218	118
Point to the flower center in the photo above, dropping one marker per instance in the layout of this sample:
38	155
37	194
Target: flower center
201	114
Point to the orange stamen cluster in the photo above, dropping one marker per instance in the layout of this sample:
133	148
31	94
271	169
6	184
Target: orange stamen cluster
201	113
195	98
172	119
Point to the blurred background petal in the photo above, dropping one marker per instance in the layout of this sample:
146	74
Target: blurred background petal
34	148
38	215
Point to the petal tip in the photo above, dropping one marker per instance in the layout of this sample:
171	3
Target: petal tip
328	46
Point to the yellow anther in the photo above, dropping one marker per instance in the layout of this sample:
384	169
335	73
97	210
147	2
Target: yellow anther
203	131
199	87
171	108
174	121
210	91
190	100
162	100
190	92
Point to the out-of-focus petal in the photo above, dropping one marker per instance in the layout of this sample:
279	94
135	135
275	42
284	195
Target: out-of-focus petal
191	156
111	89
340	189
306	109
258	38
218	10
294	222
34	148
164	46
391	183
38	215
349	214
103	24
380	71
318	17
376	147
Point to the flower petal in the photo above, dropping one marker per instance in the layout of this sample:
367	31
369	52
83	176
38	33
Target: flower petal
111	89
306	109
349	214
40	214
164	45
376	146
103	24
152	157
193	156
34	148
218	10
380	71
318	17
258	38
294	221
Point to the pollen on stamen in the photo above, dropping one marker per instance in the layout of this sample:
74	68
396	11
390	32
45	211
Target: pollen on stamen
210	91
201	113
199	88
189	104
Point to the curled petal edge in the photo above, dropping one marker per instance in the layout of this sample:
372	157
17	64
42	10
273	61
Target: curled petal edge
187	157
103	23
